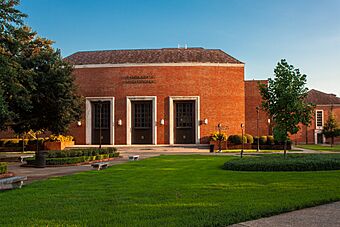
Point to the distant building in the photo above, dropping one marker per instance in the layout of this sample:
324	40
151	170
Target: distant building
325	103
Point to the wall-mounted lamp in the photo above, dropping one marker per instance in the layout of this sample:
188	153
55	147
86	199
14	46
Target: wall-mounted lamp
120	122
162	122
79	123
205	121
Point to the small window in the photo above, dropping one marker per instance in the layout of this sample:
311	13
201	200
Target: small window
319	118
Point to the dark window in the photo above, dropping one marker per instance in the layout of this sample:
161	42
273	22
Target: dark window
319	118
101	111
142	115
184	115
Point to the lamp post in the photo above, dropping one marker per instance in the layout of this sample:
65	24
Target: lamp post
242	127
257	126
269	128
100	124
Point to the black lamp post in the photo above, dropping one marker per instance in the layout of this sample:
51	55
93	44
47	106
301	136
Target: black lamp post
257	126
100	123
242	127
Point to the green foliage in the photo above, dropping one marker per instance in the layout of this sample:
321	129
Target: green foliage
217	136
284	99
295	162
250	138
270	140
80	152
331	128
3	167
37	90
263	140
76	156
60	138
236	139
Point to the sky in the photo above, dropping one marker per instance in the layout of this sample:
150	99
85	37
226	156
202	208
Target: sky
257	32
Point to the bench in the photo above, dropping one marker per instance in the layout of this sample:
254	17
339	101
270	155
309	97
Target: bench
133	157
12	182
100	165
22	157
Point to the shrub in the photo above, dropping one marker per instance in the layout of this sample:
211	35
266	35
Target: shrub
263	140
81	152
250	138
236	139
255	140
60	138
270	140
3	167
294	162
10	142
217	136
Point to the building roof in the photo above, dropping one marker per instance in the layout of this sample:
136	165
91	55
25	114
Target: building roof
141	56
321	98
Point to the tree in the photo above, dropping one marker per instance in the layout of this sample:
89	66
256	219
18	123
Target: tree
284	100
331	128
36	86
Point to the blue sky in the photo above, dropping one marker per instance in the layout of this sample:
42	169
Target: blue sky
259	33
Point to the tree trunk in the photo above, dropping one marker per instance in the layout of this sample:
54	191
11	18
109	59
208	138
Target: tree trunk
285	149
332	141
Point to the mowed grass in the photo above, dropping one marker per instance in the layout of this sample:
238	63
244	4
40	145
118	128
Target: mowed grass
317	147
189	190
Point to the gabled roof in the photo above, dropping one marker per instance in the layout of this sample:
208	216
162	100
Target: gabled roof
140	56
321	98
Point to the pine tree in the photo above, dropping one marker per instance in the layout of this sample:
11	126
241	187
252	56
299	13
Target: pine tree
331	128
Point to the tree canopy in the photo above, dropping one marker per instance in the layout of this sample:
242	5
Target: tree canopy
284	99
37	90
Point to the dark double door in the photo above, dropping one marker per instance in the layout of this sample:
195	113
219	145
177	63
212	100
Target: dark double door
184	114
101	122
141	122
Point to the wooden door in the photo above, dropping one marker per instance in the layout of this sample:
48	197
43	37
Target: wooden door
101	122
141	122
184	114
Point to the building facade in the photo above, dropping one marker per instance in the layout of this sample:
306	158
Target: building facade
325	104
158	96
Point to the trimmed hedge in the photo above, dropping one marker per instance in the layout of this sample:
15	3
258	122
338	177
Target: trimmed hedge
3	167
250	138
294	162
80	152
74	156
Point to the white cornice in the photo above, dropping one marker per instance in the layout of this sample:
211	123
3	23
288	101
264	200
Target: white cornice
157	65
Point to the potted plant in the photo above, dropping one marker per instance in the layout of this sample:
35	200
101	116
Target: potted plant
218	139
58	142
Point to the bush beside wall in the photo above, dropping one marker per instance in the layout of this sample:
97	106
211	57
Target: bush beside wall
3	167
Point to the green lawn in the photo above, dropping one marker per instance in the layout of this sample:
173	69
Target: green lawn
255	151
317	147
166	191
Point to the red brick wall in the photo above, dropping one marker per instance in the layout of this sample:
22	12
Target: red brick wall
300	137
221	91
252	100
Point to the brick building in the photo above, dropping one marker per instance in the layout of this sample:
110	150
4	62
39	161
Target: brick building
325	104
162	96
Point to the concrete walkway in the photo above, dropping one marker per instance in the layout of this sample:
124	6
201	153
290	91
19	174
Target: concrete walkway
327	215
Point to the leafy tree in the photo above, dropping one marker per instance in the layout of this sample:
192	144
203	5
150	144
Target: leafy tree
331	128
284	100
36	86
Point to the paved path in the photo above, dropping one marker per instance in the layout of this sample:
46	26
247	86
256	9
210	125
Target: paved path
327	215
